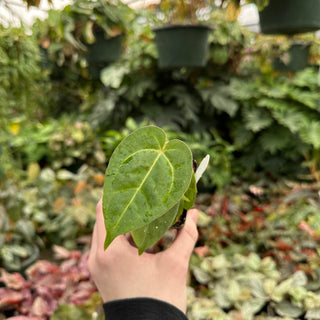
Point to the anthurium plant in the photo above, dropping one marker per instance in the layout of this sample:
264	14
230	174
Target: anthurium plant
149	182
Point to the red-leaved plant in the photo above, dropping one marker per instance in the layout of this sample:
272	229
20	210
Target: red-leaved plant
46	286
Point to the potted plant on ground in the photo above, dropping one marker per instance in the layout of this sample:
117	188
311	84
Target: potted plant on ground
182	41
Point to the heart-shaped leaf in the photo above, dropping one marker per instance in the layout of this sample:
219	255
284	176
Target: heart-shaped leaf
146	177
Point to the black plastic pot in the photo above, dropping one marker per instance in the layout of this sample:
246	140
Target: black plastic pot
298	55
182	45
290	17
104	50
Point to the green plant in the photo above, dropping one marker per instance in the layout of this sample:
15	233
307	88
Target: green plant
194	11
19	242
58	143
63	59
113	17
178	11
1	168
289	112
23	86
258	256
62	288
60	205
268	48
219	172
74	144
65	31
252	288
226	96
149	181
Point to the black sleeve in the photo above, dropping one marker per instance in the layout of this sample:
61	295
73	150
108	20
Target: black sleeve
141	309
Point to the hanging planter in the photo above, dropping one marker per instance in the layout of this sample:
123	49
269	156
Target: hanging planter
104	50
182	45
290	17
294	59
101	26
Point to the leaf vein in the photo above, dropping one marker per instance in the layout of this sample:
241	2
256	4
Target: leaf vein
138	189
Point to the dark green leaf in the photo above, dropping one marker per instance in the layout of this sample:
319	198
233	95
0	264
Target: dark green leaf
149	234
147	176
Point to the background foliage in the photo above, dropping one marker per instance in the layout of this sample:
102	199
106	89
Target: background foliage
59	125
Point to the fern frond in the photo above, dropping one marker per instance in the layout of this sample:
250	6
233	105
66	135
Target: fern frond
256	119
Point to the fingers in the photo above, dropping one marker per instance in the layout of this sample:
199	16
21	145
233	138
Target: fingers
187	237
99	234
99	226
94	240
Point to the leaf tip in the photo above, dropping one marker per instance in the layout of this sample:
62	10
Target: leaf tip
108	241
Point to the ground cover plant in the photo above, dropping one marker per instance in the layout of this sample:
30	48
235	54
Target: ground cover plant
47	208
253	264
252	261
49	287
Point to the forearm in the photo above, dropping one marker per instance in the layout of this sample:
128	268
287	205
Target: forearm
142	309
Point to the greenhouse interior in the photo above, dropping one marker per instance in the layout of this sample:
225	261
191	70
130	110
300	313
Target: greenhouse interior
123	121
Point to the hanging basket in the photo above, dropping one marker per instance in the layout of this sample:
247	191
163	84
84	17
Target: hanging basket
297	58
290	17
182	45
103	52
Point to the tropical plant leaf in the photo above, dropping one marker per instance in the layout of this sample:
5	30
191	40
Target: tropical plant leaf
149	234
147	176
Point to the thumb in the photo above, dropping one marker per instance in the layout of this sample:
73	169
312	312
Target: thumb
187	236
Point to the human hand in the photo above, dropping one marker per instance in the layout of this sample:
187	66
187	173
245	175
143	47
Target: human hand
120	273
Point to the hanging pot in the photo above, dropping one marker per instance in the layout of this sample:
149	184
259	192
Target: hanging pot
104	49
290	17
182	45
296	58
103	52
